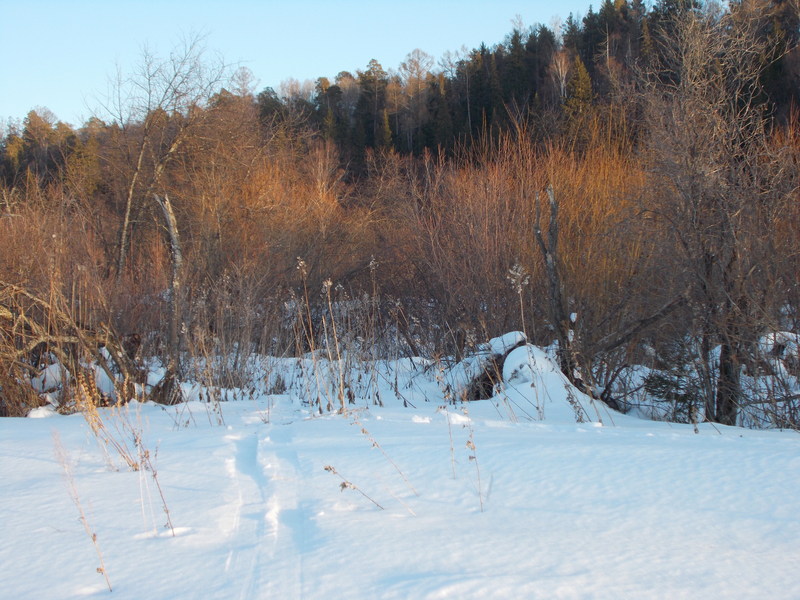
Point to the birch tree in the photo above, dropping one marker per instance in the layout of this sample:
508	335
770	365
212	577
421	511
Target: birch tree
155	110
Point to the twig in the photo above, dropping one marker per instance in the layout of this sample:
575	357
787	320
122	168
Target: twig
63	459
450	433
145	458
348	485
375	444
474	455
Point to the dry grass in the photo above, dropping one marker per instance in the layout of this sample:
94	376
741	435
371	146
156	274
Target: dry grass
64	461
348	485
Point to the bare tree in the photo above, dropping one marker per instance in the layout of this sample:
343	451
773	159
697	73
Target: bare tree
559	71
561	321
350	92
455	66
155	109
415	71
720	185
168	390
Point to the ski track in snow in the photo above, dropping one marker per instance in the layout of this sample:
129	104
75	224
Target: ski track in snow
286	516
265	472
247	514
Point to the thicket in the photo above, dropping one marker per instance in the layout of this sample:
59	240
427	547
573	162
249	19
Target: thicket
627	189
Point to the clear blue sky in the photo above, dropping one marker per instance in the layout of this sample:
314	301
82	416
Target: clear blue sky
59	54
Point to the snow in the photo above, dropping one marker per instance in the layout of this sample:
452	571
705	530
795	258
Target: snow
49	378
534	493
780	343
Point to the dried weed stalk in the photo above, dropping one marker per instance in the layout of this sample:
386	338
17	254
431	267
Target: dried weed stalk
63	460
345	485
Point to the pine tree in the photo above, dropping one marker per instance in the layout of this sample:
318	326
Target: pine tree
372	100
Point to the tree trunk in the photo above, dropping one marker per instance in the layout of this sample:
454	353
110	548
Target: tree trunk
168	390
122	245
558	312
728	384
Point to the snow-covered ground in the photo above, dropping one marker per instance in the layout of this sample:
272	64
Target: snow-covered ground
535	493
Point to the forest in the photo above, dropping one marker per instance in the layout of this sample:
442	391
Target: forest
622	189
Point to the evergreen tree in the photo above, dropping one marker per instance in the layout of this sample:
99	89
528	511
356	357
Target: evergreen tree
532	62
46	145
11	158
269	105
479	102
579	90
495	109
647	45
372	100
439	129
571	33
546	47
594	34
665	14
385	132
515	75
781	78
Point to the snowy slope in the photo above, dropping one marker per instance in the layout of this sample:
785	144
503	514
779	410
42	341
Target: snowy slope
547	507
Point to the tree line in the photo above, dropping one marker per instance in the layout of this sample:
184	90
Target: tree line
555	78
625	186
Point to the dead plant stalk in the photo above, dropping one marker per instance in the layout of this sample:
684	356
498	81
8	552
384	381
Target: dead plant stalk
64	461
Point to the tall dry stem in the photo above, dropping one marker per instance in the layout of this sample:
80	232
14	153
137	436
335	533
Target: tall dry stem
64	461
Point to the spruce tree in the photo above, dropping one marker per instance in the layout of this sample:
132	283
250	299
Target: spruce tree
579	91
